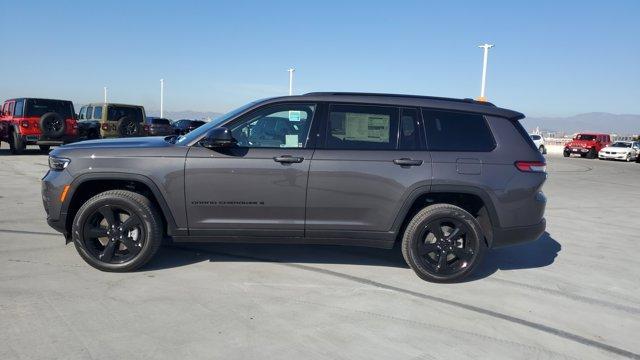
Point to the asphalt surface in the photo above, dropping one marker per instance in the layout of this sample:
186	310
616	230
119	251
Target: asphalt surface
574	293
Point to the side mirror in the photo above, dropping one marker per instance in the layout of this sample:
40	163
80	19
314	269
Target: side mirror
217	138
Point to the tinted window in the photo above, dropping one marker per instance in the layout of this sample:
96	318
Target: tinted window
409	136
457	131
280	126
535	137
83	112
97	112
11	105
39	107
118	112
362	127
159	121
19	108
89	112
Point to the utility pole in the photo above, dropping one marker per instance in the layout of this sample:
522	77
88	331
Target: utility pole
161	97
291	70
105	94
486	48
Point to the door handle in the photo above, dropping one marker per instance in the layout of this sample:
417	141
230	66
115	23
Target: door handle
407	162
288	159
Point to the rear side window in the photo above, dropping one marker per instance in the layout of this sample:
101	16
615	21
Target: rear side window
39	107
90	112
457	131
410	136
19	108
362	127
97	112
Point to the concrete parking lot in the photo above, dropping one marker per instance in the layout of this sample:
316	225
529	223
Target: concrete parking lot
574	293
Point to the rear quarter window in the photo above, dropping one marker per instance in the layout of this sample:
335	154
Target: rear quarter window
457	131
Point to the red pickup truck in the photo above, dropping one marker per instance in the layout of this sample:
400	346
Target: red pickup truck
43	122
587	145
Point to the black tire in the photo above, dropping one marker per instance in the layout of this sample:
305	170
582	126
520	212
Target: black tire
592	154
102	216
128	127
16	143
566	154
542	149
44	148
52	125
93	134
463	251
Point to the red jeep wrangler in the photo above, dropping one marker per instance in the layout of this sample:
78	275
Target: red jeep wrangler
587	144
43	122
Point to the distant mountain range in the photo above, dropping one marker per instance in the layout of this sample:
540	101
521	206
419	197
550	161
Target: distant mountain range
187	114
621	124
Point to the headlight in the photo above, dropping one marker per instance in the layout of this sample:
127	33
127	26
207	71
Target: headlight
58	163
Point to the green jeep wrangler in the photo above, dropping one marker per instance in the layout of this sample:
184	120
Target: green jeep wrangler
105	120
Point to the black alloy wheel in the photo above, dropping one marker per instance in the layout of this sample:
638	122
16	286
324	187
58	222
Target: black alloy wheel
443	243
113	234
117	230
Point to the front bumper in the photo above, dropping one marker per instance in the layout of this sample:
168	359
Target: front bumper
517	235
576	150
617	156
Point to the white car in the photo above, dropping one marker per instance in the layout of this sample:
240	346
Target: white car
539	141
621	150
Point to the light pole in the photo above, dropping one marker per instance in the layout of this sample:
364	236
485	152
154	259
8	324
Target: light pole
161	97
291	70
105	94
486	48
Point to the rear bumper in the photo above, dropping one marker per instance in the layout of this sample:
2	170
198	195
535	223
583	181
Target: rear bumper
516	235
44	140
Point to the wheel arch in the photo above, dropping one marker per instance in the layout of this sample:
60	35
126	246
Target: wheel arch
472	199
88	185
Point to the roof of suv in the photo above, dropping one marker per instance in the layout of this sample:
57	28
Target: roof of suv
110	104
29	98
469	105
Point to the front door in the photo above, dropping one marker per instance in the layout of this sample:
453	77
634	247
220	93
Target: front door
257	188
371	160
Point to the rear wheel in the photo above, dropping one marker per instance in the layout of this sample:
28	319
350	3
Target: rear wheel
16	143
117	231
443	243
542	149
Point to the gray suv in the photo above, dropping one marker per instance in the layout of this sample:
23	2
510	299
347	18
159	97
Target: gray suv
446	178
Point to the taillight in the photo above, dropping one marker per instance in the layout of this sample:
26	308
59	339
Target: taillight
24	123
145	128
105	127
75	125
531	166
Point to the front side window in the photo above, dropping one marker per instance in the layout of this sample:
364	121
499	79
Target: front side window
362	127
457	131
10	111
83	113
89	112
277	126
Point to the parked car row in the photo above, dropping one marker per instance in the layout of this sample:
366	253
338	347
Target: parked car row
48	122
596	145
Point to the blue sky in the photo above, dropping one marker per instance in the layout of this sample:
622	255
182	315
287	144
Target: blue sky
551	58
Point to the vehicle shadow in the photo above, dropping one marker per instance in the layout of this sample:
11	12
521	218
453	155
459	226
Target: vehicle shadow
4	151
535	254
539	253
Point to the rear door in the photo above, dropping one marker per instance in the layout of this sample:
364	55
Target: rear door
369	161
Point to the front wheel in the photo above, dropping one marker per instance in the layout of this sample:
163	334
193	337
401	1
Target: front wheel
117	231
443	243
566	153
592	154
542	150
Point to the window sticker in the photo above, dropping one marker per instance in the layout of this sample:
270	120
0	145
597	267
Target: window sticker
367	127
294	115
291	141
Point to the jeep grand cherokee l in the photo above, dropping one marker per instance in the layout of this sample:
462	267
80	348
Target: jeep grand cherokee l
43	122
448	178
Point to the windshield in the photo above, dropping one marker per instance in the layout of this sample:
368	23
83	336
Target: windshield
621	145
585	137
214	123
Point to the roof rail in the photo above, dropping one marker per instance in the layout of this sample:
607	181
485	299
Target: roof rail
465	100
